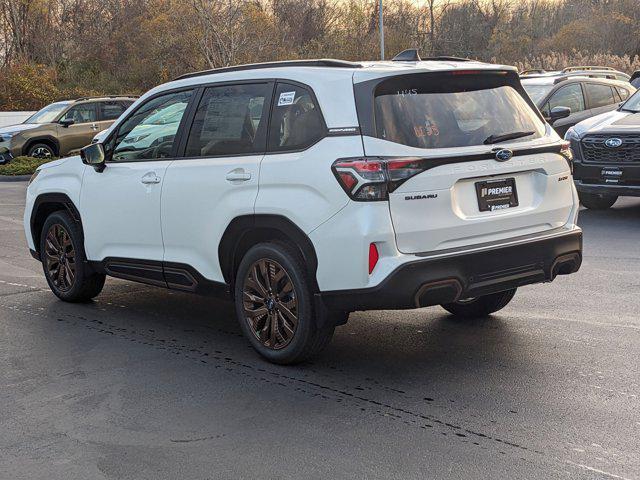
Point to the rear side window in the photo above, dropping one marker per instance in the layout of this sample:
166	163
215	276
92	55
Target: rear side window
429	112
569	96
83	113
296	121
599	95
112	110
230	120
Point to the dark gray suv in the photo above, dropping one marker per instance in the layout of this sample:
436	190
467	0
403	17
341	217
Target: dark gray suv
585	95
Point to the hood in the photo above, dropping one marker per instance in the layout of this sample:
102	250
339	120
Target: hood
19	127
55	163
610	122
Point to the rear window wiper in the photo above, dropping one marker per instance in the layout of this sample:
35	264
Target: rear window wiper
506	136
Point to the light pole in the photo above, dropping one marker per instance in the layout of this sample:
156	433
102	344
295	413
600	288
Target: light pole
381	23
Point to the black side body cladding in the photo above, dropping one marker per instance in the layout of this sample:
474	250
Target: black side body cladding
243	232
43	206
175	276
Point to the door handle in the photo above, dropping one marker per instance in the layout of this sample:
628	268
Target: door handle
238	175
94	126
150	178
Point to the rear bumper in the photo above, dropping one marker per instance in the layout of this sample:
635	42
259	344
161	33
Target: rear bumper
434	281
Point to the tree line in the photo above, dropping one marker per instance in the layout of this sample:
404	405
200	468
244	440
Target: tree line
52	49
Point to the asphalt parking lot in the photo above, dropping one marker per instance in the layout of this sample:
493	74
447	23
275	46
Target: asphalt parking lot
148	384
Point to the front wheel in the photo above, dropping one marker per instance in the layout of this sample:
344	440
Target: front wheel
480	306
64	261
41	150
597	201
274	305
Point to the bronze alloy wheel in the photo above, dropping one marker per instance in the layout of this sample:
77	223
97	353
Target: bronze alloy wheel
60	257
270	304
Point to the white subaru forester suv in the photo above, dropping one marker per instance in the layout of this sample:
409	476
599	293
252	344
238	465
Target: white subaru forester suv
306	190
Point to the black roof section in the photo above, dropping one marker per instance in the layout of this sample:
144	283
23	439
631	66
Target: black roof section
325	62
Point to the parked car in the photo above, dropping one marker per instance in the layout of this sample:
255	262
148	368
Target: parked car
306	190
585	96
635	79
61	128
606	150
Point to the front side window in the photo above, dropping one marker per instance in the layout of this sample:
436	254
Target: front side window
296	121
623	92
83	113
112	110
569	96
599	95
230	120
150	132
429	112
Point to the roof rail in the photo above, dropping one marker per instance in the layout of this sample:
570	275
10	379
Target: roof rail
532	71
106	96
586	67
566	76
325	62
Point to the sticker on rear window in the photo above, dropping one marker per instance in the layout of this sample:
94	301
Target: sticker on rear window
286	98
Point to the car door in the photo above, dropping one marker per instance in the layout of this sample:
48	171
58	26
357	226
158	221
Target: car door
600	98
217	179
571	96
120	205
83	126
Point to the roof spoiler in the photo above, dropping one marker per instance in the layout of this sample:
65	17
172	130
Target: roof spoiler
408	55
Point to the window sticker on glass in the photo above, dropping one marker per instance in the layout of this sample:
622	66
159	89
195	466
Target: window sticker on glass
286	98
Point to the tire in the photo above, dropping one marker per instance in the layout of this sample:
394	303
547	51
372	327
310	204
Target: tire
61	244
41	150
596	201
480	306
272	283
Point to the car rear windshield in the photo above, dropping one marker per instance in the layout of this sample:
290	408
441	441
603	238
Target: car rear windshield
426	111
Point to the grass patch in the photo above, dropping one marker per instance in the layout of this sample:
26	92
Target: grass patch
22	166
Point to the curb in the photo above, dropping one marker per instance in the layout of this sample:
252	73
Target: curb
14	178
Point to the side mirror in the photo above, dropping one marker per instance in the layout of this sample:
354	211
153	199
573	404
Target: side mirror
94	155
559	112
67	122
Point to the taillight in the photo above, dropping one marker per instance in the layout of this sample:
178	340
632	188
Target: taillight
565	151
368	179
373	257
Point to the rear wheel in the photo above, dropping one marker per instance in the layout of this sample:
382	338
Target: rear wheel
597	201
64	261
274	305
480	306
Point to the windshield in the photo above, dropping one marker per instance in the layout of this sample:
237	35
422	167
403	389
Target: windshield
48	113
537	92
633	103
418	117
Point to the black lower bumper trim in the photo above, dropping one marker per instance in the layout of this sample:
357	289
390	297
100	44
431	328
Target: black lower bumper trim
436	281
609	189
